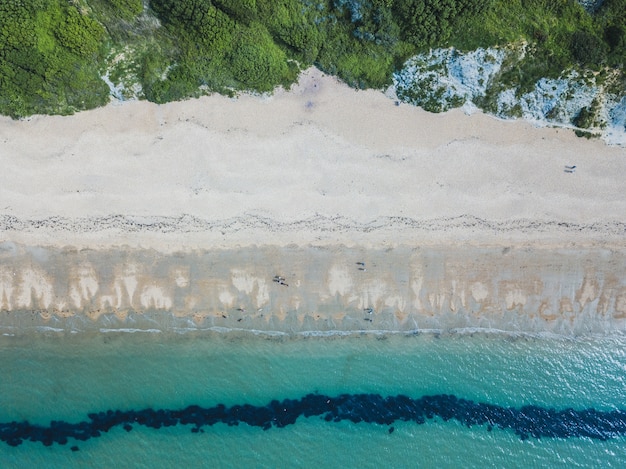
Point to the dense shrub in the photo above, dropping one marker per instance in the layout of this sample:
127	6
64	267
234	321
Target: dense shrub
587	48
127	8
48	58
428	22
256	61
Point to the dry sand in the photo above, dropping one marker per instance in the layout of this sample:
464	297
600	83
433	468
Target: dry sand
137	209
320	164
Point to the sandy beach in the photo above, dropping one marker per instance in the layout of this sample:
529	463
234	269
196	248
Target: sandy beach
319	167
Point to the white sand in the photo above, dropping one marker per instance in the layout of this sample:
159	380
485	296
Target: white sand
322	164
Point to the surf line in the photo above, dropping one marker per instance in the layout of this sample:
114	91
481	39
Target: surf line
526	422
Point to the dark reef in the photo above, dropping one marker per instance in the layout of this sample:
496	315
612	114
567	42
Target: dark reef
527	421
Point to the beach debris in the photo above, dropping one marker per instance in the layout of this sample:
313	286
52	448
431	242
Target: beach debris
280	280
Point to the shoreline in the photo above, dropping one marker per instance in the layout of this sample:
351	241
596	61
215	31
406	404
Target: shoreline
316	289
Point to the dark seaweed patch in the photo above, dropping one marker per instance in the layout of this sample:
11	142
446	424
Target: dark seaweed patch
526	422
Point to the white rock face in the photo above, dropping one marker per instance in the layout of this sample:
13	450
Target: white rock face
446	78
615	132
557	100
591	5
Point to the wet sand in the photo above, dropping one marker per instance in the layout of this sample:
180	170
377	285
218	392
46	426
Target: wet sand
311	290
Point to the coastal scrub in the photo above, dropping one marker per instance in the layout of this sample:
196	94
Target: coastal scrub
62	57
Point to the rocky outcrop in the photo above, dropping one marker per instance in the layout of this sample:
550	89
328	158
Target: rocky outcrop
591	103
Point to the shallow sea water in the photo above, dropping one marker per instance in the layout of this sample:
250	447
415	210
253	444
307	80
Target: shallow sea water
65	377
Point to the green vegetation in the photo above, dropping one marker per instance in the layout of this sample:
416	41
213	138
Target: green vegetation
611	19
127	9
49	52
53	53
588	118
558	34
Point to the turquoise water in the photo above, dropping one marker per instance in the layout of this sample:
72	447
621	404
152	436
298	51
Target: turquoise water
65	378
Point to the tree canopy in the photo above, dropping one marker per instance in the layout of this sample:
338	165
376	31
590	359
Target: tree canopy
49	52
